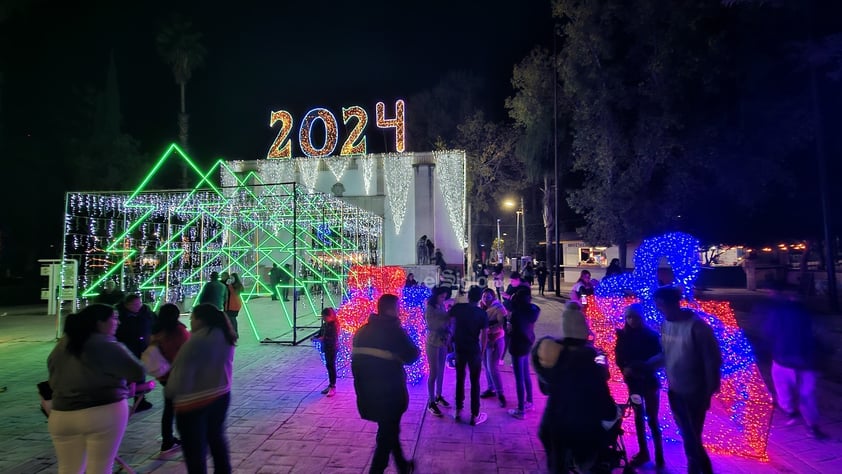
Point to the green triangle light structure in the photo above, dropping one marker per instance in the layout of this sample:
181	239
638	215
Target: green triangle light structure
163	245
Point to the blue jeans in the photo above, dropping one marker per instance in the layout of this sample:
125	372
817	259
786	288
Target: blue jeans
689	412
202	429
435	359
493	353
523	382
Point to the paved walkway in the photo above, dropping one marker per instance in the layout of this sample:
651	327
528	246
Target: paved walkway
279	423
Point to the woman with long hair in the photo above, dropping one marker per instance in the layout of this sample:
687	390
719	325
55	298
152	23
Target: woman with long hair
88	373
521	337
234	303
200	388
583	287
169	334
438	338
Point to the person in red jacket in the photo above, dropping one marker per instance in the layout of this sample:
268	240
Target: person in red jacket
169	334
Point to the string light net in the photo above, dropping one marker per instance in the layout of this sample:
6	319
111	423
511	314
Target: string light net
743	407
366	284
164	245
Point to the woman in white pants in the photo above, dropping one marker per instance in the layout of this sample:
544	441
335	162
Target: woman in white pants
88	372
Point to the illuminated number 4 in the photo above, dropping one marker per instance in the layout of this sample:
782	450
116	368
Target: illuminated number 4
397	123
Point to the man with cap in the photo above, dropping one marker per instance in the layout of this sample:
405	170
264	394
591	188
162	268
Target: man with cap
578	396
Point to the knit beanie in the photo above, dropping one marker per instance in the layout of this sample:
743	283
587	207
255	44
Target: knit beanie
573	323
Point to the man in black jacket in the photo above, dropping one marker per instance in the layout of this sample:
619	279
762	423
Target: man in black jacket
380	350
135	328
637	351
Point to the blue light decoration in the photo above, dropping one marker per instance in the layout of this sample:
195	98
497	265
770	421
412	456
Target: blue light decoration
743	395
366	285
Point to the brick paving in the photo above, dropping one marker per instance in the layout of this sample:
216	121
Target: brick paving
279	423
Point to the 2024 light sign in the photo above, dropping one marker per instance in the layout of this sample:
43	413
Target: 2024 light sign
355	120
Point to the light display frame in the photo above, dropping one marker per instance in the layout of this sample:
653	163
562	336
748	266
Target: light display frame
743	399
366	284
165	244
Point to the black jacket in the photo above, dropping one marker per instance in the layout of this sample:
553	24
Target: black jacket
633	349
380	350
135	328
579	398
522	333
329	334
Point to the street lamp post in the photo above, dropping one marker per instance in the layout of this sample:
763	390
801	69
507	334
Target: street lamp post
521	221
499	247
517	234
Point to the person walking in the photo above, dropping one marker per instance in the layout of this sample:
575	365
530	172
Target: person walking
214	292
494	349
89	370
234	302
541	273
329	335
470	335
636	350
169	334
438	333
200	387
522	336
379	351
692	360
795	358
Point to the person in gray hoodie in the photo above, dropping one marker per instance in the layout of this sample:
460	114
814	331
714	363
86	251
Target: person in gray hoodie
692	359
199	386
88	372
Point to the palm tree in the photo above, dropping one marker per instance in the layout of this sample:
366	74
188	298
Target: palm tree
180	46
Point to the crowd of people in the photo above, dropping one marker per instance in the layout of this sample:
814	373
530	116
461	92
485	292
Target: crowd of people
105	354
580	416
95	366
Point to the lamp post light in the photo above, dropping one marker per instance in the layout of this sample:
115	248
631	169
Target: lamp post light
521	221
499	247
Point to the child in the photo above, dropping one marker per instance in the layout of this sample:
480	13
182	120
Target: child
329	334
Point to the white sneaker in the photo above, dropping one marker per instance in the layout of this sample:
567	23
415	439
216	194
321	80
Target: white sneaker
331	392
480	419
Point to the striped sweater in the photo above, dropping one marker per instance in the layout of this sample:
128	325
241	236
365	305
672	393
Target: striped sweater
201	372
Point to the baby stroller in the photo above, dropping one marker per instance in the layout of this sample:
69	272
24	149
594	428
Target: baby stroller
613	453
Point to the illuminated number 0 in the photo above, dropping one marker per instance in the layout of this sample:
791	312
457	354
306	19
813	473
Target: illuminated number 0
354	144
281	147
331	138
397	123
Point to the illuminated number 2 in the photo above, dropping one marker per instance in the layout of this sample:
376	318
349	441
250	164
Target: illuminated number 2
304	133
355	143
281	147
397	123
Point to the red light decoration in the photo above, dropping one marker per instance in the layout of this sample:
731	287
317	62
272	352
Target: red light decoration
366	284
743	403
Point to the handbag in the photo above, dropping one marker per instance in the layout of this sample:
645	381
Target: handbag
155	363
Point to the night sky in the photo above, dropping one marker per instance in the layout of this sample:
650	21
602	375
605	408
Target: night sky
295	56
262	56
